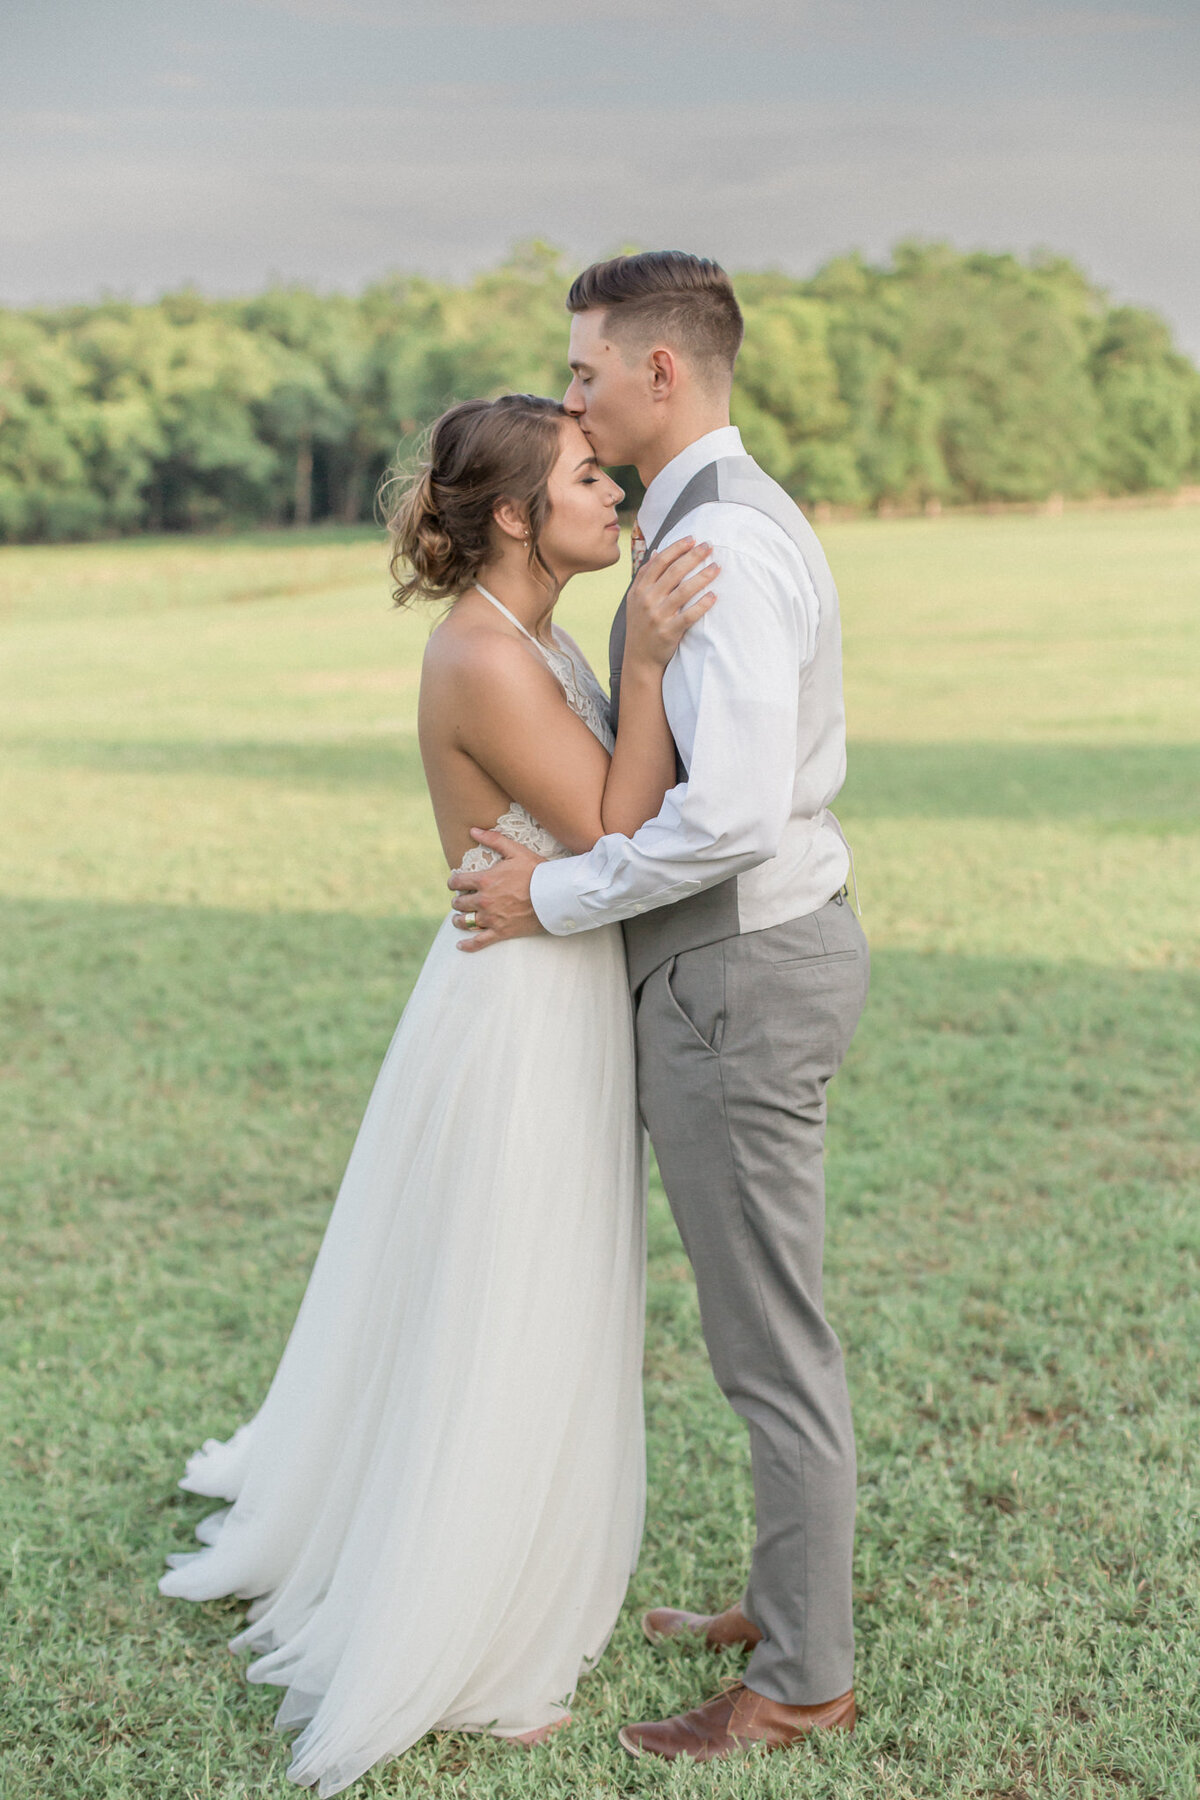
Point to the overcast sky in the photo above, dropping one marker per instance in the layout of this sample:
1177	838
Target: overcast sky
145	143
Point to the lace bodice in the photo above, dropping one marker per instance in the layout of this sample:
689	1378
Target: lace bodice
586	699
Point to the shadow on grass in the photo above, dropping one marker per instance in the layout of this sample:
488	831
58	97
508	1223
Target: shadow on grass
383	760
1141	786
1152	786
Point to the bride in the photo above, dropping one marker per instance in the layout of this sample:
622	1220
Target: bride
437	1509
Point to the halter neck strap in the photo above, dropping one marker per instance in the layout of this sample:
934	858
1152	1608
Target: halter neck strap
500	607
546	649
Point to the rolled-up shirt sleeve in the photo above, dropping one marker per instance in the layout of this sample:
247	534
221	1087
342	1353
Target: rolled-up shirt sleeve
731	694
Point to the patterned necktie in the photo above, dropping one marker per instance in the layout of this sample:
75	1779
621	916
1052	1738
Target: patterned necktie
637	544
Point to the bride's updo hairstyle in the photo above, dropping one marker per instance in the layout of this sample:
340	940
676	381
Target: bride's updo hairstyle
480	453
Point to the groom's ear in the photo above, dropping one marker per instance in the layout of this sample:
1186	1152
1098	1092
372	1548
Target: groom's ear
663	365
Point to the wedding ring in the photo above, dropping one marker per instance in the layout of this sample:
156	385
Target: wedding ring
470	921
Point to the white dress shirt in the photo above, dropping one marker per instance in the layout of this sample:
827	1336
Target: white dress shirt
740	695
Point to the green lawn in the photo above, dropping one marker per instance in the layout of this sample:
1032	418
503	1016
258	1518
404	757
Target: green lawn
218	876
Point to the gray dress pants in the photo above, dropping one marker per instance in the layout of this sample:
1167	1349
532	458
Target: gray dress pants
736	1043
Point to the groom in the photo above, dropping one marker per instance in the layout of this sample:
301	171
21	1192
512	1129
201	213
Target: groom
747	965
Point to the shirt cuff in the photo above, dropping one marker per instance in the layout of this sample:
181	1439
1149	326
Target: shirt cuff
552	896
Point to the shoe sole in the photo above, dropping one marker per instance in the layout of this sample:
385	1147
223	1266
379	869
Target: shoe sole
846	1721
633	1748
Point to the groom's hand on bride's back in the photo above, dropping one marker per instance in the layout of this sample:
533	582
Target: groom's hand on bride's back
493	904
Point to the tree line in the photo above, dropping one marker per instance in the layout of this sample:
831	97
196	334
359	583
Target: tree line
934	377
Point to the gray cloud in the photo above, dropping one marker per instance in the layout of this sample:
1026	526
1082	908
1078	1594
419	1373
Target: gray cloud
331	153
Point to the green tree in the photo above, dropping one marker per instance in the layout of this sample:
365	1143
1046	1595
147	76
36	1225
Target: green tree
311	412
46	425
933	376
966	376
127	439
786	399
1149	398
434	345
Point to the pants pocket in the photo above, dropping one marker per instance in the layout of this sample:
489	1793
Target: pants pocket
697	994
825	956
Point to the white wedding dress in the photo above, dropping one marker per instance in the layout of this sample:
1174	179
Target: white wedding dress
438	1507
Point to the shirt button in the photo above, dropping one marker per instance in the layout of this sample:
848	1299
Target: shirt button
568	924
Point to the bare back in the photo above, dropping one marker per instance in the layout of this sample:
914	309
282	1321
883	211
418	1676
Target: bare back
498	727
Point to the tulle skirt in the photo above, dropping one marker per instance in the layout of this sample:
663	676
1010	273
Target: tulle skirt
438	1507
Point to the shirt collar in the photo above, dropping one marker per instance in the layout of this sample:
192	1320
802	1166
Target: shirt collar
670	482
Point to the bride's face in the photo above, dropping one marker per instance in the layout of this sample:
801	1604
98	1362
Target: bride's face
581	530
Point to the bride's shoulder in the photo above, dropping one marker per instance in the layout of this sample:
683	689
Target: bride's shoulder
471	654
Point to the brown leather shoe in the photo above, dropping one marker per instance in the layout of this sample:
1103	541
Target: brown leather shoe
718	1630
736	1720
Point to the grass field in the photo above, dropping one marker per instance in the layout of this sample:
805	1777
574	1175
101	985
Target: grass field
218	876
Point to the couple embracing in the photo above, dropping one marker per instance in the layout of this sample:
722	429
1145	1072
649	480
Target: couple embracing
437	1509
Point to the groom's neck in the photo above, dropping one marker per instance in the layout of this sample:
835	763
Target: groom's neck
680	430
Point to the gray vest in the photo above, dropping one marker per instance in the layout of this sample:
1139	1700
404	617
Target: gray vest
704	918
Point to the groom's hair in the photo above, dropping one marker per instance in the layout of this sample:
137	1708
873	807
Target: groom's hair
668	297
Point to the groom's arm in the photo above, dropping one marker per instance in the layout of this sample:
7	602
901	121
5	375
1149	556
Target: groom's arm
732	697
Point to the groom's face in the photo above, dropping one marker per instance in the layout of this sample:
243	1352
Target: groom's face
609	396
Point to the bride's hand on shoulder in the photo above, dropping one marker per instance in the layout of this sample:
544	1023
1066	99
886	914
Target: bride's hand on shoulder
667	597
